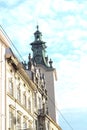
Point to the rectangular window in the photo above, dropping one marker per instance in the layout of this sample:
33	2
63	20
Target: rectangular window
24	99
35	100
11	86
24	123
28	124
48	125
18	94
36	125
11	118
29	104
18	121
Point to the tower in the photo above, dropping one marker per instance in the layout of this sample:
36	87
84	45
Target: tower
45	65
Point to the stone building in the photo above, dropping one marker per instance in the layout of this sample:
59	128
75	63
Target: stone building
3	45
24	102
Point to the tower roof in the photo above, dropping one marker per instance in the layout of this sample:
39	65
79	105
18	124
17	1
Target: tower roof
39	50
38	34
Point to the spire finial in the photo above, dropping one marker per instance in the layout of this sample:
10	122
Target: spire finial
37	27
50	62
37	34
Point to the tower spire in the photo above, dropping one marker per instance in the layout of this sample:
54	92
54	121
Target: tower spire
37	27
38	34
39	50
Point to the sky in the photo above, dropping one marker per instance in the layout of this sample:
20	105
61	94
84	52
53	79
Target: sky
63	24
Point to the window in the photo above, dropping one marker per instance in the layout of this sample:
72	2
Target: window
28	124
11	118
29	104
35	100
36	125
24	123
11	86
18	94
24	99
48	125
18	121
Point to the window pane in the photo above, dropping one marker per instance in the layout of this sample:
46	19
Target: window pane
18	94
11	119
18	121
24	99
11	86
29	104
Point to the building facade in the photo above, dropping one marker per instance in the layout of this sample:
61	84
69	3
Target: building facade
23	93
19	99
3	45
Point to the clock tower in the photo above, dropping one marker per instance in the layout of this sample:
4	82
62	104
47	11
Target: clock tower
45	65
39	49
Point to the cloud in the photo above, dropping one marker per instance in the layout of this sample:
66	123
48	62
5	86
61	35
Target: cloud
71	86
66	5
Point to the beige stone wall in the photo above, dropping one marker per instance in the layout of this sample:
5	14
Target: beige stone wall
12	101
3	45
51	93
50	78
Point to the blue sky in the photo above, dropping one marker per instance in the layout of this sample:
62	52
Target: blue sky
63	24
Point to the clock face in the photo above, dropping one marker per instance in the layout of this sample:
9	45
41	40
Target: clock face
38	59
37	52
